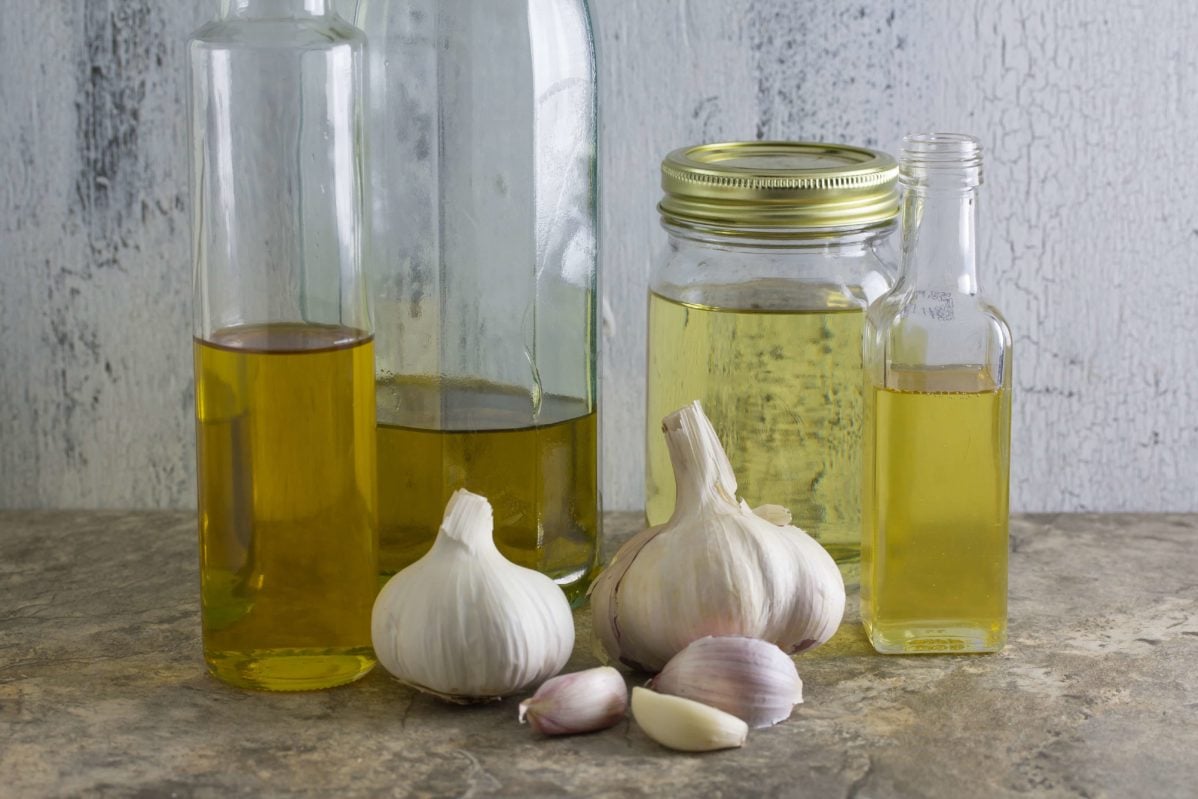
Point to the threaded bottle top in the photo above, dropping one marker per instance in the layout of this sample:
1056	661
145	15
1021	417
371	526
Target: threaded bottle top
944	160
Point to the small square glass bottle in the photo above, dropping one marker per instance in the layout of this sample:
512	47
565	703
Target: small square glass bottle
937	362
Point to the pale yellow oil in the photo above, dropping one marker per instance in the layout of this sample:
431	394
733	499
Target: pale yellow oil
779	375
435	437
934	563
287	507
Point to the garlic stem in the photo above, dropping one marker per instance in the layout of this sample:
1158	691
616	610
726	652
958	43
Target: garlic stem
702	472
468	522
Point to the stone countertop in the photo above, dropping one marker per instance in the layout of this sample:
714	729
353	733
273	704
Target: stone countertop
103	691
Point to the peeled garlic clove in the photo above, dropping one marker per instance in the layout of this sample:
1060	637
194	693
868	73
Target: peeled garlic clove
466	624
584	701
747	677
684	724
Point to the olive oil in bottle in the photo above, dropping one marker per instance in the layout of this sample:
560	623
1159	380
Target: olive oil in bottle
778	370
541	479
283	346
937	360
936	477
288	542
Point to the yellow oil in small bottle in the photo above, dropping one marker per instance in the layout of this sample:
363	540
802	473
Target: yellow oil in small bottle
778	370
287	504
435	437
934	561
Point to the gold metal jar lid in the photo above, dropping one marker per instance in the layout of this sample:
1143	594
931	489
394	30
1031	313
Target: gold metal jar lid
778	189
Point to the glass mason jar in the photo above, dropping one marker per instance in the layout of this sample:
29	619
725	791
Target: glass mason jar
938	423
481	177
756	310
283	348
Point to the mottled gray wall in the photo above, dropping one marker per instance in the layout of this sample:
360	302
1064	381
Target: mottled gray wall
95	319
1089	217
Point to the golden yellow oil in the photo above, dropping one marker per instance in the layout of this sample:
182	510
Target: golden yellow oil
541	479
287	504
779	375
934	564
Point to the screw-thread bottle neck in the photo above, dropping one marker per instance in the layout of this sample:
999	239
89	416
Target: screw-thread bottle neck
274	9
941	173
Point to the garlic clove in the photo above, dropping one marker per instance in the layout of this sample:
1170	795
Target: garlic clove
747	677
604	596
584	701
684	724
466	624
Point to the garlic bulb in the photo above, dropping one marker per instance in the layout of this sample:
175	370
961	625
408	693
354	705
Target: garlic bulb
684	724
584	701
747	677
465	623
715	568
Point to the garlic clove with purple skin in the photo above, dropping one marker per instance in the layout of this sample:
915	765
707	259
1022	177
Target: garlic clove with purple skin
752	679
583	701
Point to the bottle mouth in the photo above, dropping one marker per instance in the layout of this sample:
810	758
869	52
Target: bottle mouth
938	157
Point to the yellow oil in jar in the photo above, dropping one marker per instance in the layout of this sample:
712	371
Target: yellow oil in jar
934	563
779	375
541	479
287	505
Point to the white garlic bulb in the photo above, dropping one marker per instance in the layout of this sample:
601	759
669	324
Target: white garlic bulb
715	568
747	677
464	622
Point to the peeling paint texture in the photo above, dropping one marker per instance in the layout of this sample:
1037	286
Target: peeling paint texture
1088	229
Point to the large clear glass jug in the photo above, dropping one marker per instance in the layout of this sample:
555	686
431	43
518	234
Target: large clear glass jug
481	125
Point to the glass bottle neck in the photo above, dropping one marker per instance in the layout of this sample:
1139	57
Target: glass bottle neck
274	9
939	248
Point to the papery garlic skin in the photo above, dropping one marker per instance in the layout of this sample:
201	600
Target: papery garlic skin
583	701
466	624
747	677
604	596
684	724
715	568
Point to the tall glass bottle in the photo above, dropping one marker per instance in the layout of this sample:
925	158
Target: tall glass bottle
481	154
284	360
938	411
